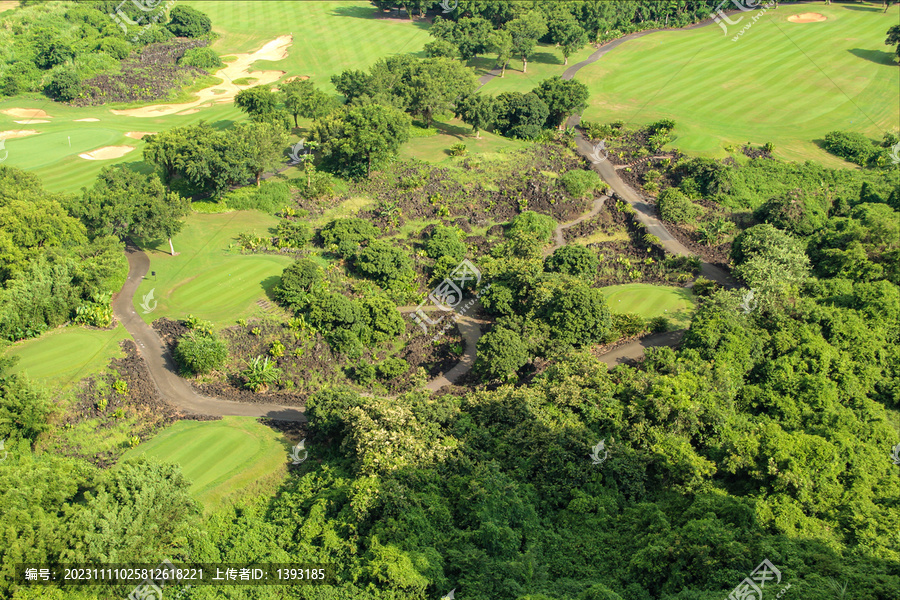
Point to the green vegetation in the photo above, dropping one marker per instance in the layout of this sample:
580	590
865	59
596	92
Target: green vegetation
651	301
783	96
64	356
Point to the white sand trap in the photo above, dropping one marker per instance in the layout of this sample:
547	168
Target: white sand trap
274	50
26	113
107	153
86	120
806	18
139	134
30	121
16	133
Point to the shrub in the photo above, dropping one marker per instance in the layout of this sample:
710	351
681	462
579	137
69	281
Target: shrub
185	21
344	341
580	183
850	145
260	374
629	324
444	241
64	85
270	197
347	234
364	373
501	353
675	207
458	150
200	353
384	263
392	368
577	314
297	281
277	349
293	234
573	259
115	47
659	325
529	222
203	58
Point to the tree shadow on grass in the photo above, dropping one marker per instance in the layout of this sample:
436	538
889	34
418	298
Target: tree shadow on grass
545	58
876	56
454	130
373	14
268	285
864	8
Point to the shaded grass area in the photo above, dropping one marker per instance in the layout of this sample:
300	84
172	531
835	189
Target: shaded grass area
781	82
226	459
649	301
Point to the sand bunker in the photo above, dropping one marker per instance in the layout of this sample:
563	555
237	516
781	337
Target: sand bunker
86	120
139	134
29	121
27	113
806	18
16	133
107	152
274	50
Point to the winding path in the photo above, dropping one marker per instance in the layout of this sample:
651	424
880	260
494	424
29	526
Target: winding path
172	388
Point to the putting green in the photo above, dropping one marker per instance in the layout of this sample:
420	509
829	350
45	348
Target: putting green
780	82
233	456
649	301
64	355
206	278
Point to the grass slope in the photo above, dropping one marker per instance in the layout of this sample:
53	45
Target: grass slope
788	83
67	354
648	301
206	278
222	459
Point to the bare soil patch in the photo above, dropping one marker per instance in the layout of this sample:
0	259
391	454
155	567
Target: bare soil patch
807	18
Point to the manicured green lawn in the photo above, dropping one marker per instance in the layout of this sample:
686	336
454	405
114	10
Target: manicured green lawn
648	301
206	278
231	457
64	355
546	62
788	83
436	148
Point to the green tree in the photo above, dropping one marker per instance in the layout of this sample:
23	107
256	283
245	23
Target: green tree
126	203
262	145
361	136
567	33
574	259
346	234
502	43
444	241
472	35
675	207
477	110
257	101
577	314
526	31
384	263
521	115
770	261
501	353
297	283
563	98
185	21
893	39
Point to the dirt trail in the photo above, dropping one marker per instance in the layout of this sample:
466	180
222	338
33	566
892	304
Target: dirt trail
173	388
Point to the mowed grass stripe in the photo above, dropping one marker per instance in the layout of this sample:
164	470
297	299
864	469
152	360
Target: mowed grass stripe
651	301
764	87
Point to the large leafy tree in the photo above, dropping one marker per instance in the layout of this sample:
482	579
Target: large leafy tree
771	262
262	145
361	136
521	115
125	203
477	110
563	97
567	33
526	31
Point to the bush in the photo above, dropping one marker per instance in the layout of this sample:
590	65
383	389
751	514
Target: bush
115	47
580	183
532	223
344	341
347	234
675	207
444	241
185	21
384	263
200	353
329	408
850	145
203	58
501	353
392	368
293	234
577	314
573	259
458	150
659	325
629	324
64	85
270	197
